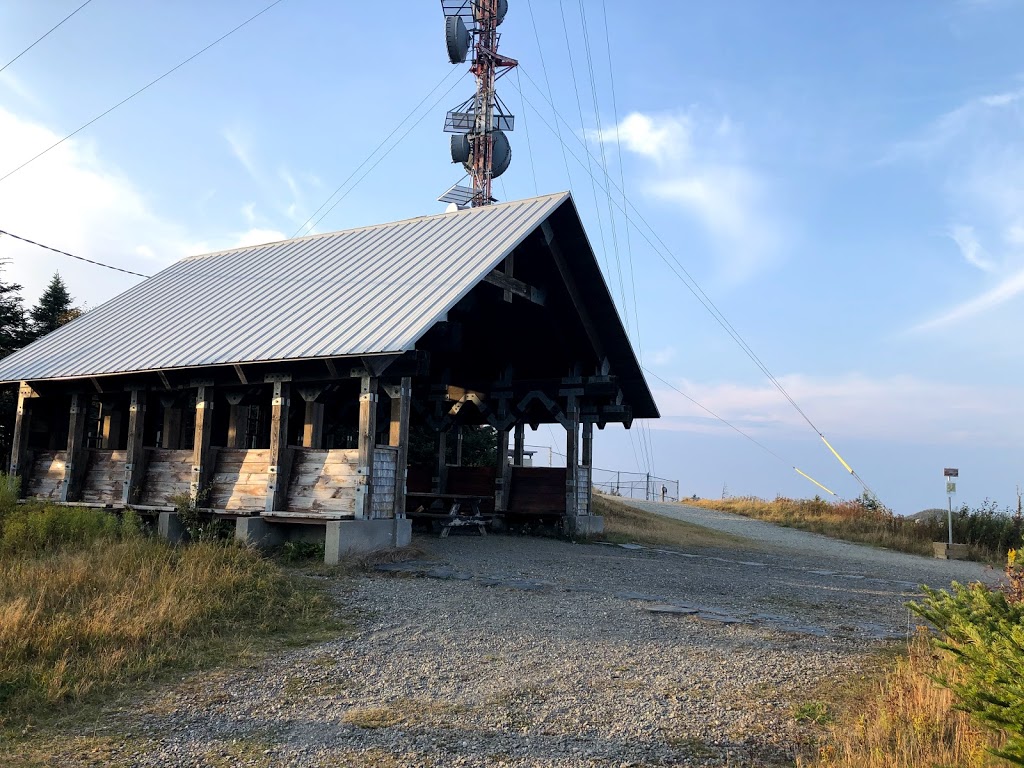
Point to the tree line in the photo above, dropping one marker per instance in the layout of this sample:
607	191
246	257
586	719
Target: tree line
20	326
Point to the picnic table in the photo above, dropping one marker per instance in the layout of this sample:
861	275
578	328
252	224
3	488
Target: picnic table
448	509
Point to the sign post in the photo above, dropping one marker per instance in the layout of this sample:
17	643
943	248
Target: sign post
948	473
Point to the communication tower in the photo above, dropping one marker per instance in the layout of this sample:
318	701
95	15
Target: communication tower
479	124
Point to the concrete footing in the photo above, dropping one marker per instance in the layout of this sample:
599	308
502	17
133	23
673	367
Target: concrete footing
352	537
168	526
257	532
945	551
583	526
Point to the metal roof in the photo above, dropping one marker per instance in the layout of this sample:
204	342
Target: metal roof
359	292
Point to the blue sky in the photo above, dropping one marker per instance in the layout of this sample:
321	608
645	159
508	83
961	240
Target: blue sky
845	181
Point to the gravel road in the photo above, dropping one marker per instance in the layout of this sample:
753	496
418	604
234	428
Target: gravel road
509	651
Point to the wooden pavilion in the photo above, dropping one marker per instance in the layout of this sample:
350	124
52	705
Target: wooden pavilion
276	384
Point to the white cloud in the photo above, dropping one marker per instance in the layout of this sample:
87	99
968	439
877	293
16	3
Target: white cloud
68	200
240	149
257	236
972	250
978	148
662	356
901	409
699	166
1005	291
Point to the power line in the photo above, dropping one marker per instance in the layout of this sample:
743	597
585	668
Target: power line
136	93
65	253
544	68
622	184
529	144
376	149
735	428
680	271
379	159
51	29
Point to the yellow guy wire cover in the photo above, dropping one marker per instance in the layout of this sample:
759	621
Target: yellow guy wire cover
815	481
834	453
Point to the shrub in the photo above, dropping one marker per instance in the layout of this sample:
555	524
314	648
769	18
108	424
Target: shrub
983	631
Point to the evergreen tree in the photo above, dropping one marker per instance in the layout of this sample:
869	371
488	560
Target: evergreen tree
13	336
54	308
13	329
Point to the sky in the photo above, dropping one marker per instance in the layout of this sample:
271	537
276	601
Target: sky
844	181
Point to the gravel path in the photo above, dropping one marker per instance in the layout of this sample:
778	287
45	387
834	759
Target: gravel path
507	651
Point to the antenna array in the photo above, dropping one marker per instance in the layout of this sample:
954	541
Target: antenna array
478	125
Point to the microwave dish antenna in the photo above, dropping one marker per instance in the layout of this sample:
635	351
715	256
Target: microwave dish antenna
480	123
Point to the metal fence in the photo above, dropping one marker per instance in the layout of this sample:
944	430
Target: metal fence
635	485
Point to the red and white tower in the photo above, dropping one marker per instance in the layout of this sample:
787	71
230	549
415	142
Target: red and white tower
478	125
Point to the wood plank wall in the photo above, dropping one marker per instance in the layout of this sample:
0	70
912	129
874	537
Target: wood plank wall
324	481
240	478
46	475
168	473
104	476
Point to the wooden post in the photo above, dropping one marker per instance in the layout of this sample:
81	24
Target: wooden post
401	402
111	424
313	427
588	462
501	471
238	420
519	441
202	453
458	445
172	423
135	459
277	486
367	443
21	458
440	479
572	448
76	457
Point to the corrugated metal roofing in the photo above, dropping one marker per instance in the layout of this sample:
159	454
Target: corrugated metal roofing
358	292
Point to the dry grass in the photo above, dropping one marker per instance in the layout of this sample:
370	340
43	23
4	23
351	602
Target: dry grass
845	520
405	712
904	721
77	621
624	523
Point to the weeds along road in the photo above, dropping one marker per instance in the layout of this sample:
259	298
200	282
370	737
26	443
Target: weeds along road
516	651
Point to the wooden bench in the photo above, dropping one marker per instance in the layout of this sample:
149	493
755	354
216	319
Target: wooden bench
447	508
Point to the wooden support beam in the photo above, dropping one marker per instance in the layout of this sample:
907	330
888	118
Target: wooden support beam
513	287
399	436
240	374
458	445
279	469
519	441
135	458
202	452
238	425
367	443
440	478
313	425
588	462
572	447
171	431
501	472
21	457
574	291
110	436
76	456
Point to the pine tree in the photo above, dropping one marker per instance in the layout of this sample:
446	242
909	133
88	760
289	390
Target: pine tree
13	336
13	328
54	308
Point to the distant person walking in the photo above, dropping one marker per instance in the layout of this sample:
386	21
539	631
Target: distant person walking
664	490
